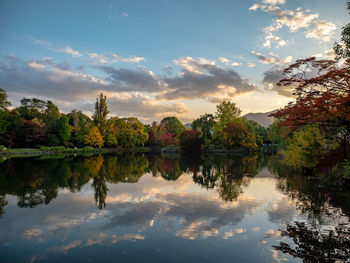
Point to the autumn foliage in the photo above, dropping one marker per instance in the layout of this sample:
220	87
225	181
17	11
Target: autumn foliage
322	91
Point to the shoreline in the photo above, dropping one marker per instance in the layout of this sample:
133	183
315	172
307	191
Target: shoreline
38	152
31	152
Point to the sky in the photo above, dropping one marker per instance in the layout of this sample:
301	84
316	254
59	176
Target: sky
161	58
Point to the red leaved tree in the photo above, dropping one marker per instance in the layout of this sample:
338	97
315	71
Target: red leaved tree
322	90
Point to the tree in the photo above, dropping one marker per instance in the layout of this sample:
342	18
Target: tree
4	103
342	49
173	125
314	244
205	124
33	132
306	146
191	141
322	91
101	112
237	135
273	134
155	132
79	123
93	137
64	129
126	132
227	112
257	130
32	108
167	139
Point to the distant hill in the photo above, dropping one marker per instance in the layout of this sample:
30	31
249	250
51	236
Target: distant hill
261	118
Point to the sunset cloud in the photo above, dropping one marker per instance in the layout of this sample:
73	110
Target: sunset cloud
201	78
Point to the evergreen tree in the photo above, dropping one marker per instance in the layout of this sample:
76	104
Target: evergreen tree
101	112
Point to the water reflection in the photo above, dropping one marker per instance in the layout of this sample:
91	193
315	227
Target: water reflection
133	207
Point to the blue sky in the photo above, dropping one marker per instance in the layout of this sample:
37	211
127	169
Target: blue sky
159	58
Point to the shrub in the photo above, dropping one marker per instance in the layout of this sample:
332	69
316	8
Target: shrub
52	148
2	148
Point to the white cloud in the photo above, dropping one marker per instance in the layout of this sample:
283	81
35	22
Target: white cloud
251	65
224	60
101	58
274	2
68	50
235	64
313	26
272	58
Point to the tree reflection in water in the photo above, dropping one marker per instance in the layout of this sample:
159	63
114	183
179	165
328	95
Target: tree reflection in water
314	245
323	236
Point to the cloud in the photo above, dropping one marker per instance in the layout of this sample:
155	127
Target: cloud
229	62
314	27
224	60
274	2
109	58
73	89
112	58
251	65
272	59
144	107
327	54
68	50
270	80
235	64
46	78
201	78
139	79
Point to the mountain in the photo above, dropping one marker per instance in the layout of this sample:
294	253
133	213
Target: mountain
262	119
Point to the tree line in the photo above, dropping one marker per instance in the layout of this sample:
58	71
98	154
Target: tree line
36	123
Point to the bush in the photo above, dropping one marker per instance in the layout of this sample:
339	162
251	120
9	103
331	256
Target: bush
88	149
2	148
52	148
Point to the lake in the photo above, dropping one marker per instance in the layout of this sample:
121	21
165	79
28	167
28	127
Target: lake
154	208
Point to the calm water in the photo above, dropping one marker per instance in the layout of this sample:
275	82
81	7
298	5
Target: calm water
149	208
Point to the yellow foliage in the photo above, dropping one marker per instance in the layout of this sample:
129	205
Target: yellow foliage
93	137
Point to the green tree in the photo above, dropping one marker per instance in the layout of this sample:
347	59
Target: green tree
126	132
342	49
173	125
4	103
227	112
79	123
111	137
64	129
305	147
32	108
257	130
101	112
205	124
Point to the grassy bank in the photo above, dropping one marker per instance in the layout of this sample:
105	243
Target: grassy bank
60	150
